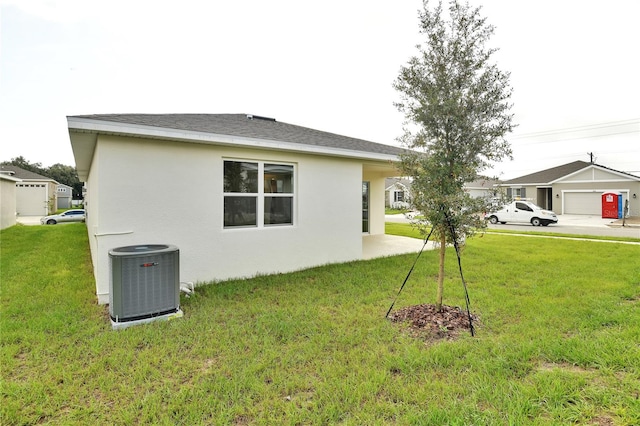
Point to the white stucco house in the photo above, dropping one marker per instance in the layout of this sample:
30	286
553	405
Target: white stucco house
238	194
36	194
8	207
397	193
398	190
483	187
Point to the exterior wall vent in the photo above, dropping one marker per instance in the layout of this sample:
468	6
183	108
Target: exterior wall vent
259	117
144	284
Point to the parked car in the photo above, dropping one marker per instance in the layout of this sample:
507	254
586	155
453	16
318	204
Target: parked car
523	212
75	215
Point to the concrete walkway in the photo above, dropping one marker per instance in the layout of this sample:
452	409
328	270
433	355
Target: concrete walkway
597	221
374	246
633	221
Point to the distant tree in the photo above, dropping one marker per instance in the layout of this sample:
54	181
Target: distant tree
66	175
23	163
455	103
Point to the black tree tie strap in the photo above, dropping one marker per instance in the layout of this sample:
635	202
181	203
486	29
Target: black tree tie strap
464	284
409	274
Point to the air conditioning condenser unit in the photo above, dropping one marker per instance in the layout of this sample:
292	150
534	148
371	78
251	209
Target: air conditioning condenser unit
144	284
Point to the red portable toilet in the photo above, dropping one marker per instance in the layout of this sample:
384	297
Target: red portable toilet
610	205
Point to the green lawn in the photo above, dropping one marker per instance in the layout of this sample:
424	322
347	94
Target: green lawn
558	341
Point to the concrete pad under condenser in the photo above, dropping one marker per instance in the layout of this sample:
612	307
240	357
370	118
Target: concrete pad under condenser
119	325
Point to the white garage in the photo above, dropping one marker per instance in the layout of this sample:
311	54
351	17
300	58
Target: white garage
31	199
35	194
588	203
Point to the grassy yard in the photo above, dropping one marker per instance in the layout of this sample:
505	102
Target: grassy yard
558	341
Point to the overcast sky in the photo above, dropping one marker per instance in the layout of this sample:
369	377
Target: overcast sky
326	65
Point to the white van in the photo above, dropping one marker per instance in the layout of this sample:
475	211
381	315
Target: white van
523	212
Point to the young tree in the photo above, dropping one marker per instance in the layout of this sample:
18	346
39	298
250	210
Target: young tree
455	103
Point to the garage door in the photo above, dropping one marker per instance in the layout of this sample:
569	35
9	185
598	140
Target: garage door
31	199
583	203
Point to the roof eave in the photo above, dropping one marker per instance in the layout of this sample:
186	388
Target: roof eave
83	133
8	177
522	183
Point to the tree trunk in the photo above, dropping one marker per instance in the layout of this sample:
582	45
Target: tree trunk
443	247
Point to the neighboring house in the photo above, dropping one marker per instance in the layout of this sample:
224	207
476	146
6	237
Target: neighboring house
35	194
8	210
482	188
65	194
397	193
398	190
575	188
238	194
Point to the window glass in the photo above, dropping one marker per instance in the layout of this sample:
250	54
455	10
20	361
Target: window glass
240	176
278	210
278	179
240	211
365	206
249	203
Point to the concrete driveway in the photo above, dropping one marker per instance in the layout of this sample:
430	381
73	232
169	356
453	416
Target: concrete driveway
567	224
29	220
568	219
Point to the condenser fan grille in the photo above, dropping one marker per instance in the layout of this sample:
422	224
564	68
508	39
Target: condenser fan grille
144	281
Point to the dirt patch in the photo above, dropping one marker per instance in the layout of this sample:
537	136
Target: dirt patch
564	366
632	299
425	321
602	421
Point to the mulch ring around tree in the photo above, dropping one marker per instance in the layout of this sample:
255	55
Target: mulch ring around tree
425	322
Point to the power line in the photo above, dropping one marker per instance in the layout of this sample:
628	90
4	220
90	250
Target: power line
577	137
628	164
582	154
590	127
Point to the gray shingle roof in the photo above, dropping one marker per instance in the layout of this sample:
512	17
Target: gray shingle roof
388	182
249	126
482	182
555	173
23	174
549	175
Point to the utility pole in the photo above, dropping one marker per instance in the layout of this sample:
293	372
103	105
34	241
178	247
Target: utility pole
590	154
